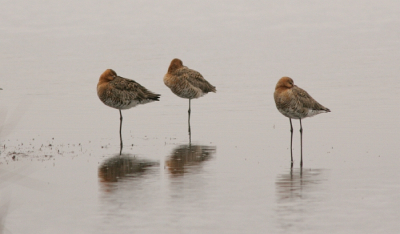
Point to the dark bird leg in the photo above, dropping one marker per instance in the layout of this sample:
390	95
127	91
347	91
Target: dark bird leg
189	119
291	142
301	145
120	131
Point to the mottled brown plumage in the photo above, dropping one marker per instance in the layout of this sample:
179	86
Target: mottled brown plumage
121	93
185	82
295	103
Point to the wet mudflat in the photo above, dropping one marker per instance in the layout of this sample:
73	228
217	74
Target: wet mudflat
60	168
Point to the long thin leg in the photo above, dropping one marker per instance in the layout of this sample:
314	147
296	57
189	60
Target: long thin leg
120	131
301	145
189	119
291	142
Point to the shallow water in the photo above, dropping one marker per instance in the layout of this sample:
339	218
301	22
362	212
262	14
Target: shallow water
59	165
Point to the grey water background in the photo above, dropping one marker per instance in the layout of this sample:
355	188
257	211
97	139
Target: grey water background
59	166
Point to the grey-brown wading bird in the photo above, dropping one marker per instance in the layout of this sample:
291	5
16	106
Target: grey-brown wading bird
121	93
186	83
295	103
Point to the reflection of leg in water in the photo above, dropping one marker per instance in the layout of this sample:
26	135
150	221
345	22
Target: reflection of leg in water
120	131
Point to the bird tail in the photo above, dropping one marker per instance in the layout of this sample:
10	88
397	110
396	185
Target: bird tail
154	97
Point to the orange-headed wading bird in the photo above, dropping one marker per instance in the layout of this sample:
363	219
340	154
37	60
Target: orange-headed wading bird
121	93
186	83
295	103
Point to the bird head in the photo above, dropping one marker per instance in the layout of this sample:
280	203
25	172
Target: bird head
108	75
175	65
285	82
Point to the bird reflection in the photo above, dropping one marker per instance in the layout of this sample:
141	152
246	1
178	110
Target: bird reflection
121	166
298	192
188	157
298	183
190	132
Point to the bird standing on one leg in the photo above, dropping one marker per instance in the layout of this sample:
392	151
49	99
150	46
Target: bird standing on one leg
186	83
121	93
295	103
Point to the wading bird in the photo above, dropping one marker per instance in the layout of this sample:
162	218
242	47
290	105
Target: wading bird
121	93
186	83
295	103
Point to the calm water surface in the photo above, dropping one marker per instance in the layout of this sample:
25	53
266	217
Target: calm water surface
60	171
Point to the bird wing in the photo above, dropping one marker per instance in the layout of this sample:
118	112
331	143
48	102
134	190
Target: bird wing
197	80
305	99
131	90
